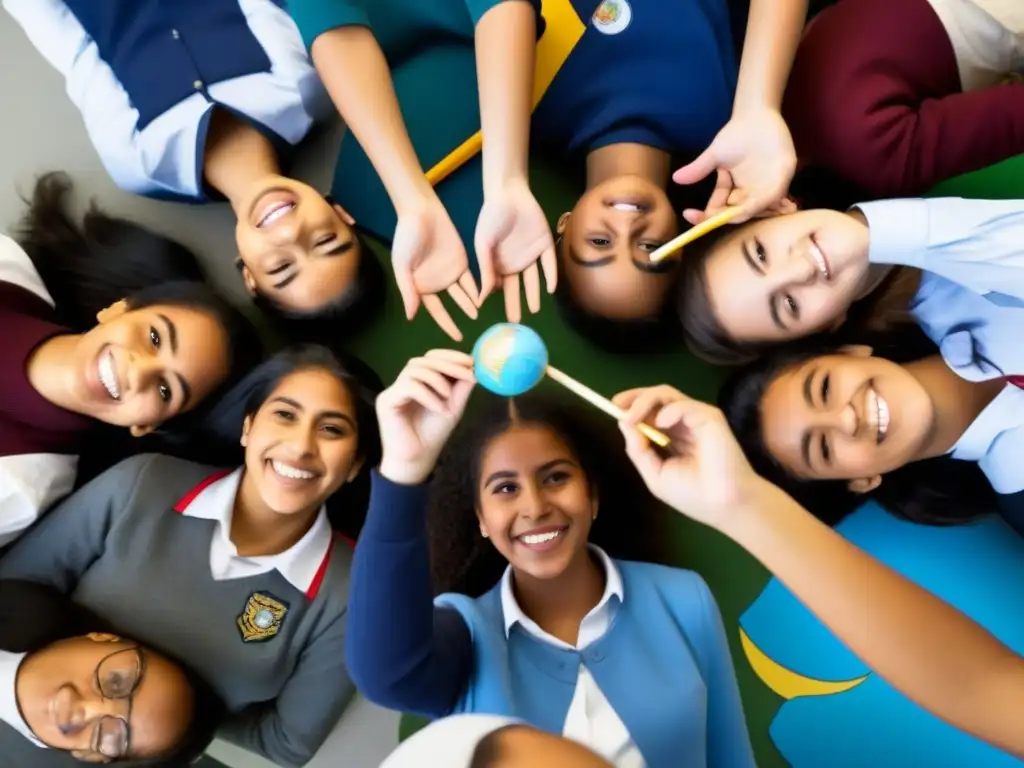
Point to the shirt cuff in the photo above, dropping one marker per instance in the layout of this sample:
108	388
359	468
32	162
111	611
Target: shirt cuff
899	231
314	17
397	512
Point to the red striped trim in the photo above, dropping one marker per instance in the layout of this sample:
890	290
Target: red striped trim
182	505
318	579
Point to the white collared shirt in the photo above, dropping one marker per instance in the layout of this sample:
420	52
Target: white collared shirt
987	38
298	564
591	719
996	441
9	712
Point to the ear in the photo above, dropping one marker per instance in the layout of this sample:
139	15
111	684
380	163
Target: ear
595	503
246	427
357	467
344	215
483	527
103	637
249	280
864	484
141	431
112	312
563	222
856	350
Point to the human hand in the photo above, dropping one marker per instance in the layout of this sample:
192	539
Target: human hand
512	237
418	412
428	257
755	160
706	477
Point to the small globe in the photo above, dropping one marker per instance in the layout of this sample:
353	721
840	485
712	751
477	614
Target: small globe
509	359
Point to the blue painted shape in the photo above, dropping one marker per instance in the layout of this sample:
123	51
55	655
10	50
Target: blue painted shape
509	359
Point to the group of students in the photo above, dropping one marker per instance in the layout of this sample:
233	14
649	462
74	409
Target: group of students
495	571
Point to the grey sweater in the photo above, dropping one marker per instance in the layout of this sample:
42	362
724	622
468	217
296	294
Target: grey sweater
120	549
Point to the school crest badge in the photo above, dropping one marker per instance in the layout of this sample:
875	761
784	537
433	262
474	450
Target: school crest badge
261	619
613	16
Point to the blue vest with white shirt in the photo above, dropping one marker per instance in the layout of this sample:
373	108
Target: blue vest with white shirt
663	665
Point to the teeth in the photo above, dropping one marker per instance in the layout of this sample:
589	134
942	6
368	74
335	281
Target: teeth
276	213
883	417
540	538
108	377
819	260
292	473
629	207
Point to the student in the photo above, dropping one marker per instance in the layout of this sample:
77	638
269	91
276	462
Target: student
202	101
840	415
922	646
899	95
238	573
943	263
99	328
554	640
71	688
490	741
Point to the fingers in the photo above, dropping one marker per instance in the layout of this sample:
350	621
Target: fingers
465	301
468	285
435	308
513	307
697	170
407	290
720	198
641	453
549	263
531	287
485	261
440	381
649	401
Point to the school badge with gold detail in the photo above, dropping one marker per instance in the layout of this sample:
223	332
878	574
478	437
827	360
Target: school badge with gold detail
262	617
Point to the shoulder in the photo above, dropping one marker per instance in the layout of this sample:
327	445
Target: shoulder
1001	463
682	590
479	613
165	479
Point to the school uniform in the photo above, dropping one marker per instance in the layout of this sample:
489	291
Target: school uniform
39	441
649	681
671	87
147	547
899	95
147	77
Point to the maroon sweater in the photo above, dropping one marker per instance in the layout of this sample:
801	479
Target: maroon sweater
28	422
875	97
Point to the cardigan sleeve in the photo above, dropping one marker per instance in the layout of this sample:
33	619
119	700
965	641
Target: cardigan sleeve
291	729
728	739
403	652
62	546
875	96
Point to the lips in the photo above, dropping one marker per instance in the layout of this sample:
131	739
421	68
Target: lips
876	412
630	204
820	260
107	373
271	206
292	475
542	539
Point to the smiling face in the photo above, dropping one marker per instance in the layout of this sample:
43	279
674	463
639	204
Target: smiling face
141	367
607	241
302	444
534	501
846	417
297	249
786	277
97	694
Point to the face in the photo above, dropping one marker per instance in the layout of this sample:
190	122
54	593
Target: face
296	249
847	416
787	277
607	241
535	503
302	444
524	747
140	367
104	699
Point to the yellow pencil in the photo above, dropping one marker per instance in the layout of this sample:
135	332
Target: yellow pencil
693	233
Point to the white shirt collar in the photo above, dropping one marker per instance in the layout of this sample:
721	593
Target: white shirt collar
514	614
1003	413
299	564
9	712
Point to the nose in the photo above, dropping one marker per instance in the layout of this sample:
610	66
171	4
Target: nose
799	268
144	371
843	420
532	504
94	708
302	441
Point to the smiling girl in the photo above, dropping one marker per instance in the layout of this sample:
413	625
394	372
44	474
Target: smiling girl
239	573
104	324
628	658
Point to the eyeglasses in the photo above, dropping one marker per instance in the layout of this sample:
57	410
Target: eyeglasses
117	679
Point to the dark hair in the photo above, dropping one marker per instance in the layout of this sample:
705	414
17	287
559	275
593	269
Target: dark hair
350	311
217	440
937	491
884	309
462	561
616	335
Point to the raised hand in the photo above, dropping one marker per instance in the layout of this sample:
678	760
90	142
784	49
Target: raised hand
419	411
705	476
512	238
428	258
754	158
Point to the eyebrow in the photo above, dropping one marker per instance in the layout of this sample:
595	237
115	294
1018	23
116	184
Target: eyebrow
172	333
805	440
322	415
508	474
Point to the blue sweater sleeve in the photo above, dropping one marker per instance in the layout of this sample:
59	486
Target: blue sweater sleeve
728	739
402	652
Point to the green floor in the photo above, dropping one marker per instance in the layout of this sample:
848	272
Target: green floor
735	578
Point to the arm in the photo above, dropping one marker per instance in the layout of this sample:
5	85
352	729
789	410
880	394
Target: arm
921	645
728	738
773	33
402	652
72	537
291	729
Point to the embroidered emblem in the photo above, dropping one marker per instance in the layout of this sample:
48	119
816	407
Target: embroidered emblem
613	16
261	619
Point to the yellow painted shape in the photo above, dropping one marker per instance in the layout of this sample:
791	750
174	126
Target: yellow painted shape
787	683
563	31
496	350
